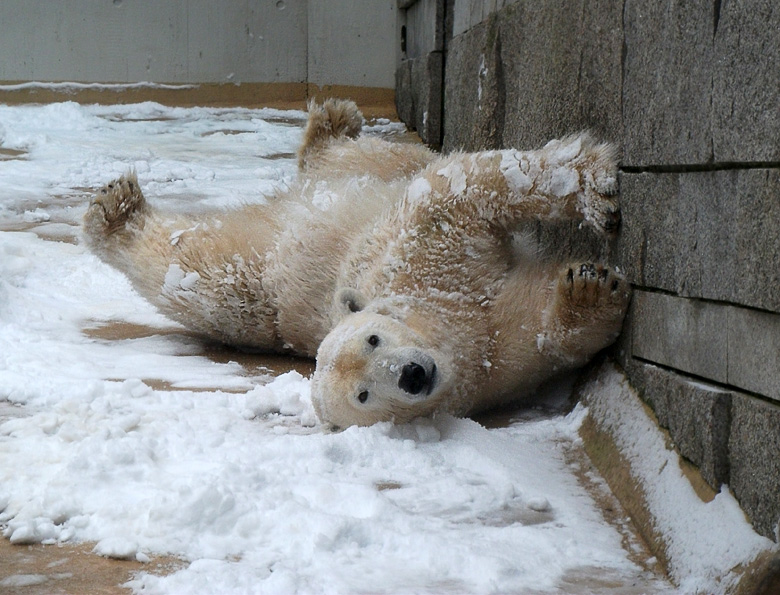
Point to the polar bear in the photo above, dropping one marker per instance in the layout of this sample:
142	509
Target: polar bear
392	265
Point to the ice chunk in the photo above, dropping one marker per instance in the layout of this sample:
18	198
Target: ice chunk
176	279
118	548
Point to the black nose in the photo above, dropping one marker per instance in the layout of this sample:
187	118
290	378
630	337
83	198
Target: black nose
413	378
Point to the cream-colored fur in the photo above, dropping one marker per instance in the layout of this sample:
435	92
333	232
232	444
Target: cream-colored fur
393	265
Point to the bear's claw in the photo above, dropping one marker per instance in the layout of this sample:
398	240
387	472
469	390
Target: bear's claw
591	285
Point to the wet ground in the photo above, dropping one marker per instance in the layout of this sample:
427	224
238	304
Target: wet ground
69	569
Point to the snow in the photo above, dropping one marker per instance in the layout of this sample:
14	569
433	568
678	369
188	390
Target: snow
23	580
456	176
73	86
418	190
176	278
142	444
703	554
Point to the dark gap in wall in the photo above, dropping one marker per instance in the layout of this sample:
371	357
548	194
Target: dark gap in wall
448	15
500	90
716	18
698	167
623	54
708	381
647	289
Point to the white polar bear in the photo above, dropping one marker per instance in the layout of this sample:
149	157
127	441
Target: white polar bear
394	266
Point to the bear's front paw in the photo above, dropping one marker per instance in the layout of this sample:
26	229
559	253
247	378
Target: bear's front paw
589	285
113	205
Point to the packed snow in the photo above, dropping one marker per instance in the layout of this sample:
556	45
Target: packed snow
143	445
703	555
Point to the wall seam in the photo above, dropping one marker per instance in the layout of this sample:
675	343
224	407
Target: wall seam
667	292
703	379
685	168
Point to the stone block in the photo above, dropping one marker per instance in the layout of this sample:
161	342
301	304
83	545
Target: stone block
534	71
697	416
754	352
699	421
469	13
755	211
404	93
754	445
461	16
427	75
731	345
667	82
652	383
419	78
746	82
474	91
676	236
649	242
562	70
418	96
620	351
424	28
599	80
705	262
733	226
688	335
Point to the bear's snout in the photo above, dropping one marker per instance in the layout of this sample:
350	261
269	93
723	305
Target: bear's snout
416	379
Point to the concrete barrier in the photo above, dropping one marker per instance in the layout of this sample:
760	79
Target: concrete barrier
277	49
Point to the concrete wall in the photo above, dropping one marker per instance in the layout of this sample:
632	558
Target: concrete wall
323	42
690	91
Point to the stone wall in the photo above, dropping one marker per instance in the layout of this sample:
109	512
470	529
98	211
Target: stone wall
690	91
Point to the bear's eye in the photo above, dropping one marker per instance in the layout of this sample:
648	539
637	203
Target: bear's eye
373	340
363	397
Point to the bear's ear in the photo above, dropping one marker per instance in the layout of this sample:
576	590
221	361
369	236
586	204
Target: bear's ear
350	300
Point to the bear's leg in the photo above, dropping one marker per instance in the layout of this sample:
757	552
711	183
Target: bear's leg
334	119
585	314
203	273
124	231
573	178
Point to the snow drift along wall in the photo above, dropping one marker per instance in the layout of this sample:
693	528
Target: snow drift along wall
690	90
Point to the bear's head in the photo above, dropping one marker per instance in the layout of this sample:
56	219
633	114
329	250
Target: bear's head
372	367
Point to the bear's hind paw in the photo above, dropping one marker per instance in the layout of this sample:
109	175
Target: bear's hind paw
341	118
334	119
114	205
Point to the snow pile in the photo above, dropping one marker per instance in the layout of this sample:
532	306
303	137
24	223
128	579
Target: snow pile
267	505
706	542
